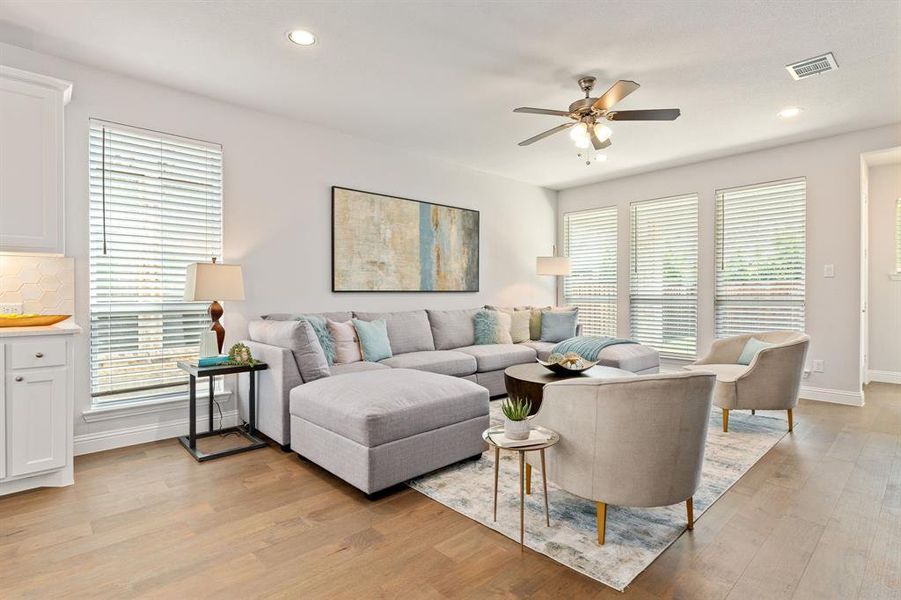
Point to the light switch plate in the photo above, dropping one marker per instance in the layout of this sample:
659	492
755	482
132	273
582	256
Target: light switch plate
828	270
11	308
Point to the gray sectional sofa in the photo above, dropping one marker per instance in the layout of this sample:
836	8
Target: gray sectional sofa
322	419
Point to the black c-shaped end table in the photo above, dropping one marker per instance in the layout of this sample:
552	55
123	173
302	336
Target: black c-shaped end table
249	432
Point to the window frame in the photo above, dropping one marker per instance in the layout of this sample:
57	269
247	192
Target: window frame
158	275
583	302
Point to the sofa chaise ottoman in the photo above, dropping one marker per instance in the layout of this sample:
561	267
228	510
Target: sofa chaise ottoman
378	428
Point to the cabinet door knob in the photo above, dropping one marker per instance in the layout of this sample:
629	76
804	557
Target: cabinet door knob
39	355
20	378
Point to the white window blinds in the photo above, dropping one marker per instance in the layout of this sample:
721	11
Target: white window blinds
155	207
589	240
663	294
760	258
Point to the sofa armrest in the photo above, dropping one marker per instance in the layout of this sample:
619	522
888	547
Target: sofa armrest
274	387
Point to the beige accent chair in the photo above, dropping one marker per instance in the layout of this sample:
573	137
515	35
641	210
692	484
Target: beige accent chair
635	441
770	382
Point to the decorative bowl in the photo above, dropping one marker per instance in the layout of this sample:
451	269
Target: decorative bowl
566	371
31	320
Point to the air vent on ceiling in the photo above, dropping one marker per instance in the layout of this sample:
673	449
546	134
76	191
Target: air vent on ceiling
812	66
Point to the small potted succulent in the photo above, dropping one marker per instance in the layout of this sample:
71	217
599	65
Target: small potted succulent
516	413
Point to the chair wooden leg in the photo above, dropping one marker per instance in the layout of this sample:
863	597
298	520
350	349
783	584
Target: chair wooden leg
791	424
690	509
602	522
725	420
528	478
753	412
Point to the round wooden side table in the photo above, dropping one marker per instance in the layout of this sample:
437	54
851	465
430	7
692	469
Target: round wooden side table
524	486
528	380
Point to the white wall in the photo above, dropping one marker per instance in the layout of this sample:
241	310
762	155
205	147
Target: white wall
832	168
278	175
884	285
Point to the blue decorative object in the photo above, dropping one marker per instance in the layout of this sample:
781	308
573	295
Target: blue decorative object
323	335
373	339
588	346
557	326
752	347
212	361
488	327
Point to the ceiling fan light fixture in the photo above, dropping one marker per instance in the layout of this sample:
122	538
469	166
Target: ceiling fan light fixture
602	132
302	37
583	142
579	133
600	157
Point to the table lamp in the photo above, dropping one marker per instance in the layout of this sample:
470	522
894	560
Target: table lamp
213	281
553	265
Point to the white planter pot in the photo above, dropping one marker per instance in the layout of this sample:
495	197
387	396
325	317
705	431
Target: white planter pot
516	430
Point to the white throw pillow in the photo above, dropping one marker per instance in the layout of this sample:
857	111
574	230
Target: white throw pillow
347	343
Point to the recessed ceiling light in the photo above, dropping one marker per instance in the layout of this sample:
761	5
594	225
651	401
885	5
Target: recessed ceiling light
789	112
301	37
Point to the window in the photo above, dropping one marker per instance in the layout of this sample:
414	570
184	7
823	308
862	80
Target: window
760	258
663	297
155	207
589	240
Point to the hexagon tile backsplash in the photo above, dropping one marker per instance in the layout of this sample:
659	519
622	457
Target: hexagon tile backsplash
45	285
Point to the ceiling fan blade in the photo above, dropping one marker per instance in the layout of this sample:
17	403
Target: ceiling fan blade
541	111
617	92
545	134
655	114
596	141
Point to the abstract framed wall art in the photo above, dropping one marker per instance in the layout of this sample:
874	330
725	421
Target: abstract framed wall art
389	244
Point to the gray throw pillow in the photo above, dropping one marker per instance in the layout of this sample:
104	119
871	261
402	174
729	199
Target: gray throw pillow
558	326
309	354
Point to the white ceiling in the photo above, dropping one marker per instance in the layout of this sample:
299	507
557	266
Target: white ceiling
441	78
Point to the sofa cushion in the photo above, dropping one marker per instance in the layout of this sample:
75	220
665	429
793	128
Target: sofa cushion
724	373
491	357
357	367
374	341
347	343
557	326
631	357
492	327
408	331
542	349
299	338
378	407
334	316
452	328
446	362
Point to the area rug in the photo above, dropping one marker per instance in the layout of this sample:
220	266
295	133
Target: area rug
635	536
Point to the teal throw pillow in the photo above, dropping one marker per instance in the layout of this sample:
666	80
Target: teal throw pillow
323	335
557	326
492	327
373	339
752	347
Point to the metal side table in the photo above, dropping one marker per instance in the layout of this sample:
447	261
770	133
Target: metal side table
248	433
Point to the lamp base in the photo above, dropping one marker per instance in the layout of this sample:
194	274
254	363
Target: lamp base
215	311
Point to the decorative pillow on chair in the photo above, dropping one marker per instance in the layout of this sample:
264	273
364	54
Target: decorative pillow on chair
373	339
557	326
752	347
492	327
322	334
347	343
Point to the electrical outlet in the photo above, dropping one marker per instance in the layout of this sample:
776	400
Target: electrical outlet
828	270
11	308
818	366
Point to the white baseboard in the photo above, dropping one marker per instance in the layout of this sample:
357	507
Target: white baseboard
87	443
884	376
829	395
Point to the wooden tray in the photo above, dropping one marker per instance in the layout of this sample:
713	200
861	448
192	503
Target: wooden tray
35	321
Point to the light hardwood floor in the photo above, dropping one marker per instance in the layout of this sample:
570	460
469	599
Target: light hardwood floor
818	517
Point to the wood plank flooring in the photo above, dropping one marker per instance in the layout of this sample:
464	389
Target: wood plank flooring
818	517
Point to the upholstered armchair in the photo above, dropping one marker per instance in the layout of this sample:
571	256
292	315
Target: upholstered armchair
769	382
636	441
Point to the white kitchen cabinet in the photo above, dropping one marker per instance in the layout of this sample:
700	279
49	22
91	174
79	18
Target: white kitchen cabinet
36	406
32	183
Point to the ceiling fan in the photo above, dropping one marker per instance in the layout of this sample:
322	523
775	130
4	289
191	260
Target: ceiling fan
588	115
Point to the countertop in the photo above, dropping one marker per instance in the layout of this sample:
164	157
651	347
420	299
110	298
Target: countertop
67	327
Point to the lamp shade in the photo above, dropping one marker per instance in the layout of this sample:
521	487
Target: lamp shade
553	265
212	281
